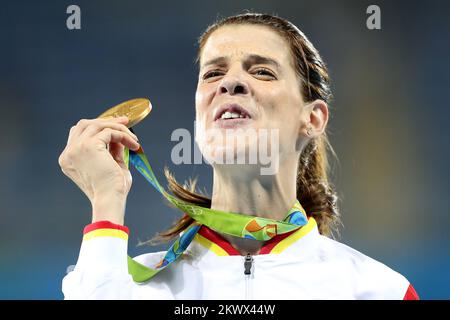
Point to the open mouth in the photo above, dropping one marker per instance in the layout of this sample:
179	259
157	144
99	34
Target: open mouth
230	112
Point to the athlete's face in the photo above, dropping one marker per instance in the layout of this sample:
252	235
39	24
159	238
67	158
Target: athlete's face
248	70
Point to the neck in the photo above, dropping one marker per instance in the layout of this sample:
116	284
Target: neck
242	189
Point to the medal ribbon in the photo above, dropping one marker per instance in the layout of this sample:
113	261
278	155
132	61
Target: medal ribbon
235	224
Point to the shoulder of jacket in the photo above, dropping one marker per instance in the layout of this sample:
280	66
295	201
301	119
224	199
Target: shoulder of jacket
372	277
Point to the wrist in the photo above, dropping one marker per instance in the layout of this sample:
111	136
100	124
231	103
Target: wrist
110	208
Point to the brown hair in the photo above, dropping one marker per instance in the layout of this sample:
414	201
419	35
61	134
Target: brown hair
315	193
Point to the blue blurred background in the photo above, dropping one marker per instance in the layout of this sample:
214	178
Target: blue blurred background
389	124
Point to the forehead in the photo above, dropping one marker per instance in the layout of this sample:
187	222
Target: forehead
236	41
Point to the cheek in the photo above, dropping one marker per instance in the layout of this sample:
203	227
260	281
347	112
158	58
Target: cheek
282	112
199	105
277	107
203	98
289	104
199	96
201	108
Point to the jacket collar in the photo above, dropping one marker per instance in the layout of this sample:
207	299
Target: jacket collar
214	242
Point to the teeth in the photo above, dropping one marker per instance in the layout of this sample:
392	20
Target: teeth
226	115
231	115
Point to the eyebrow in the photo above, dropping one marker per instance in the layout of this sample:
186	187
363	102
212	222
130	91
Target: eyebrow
249	60
257	59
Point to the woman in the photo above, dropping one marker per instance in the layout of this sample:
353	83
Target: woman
257	72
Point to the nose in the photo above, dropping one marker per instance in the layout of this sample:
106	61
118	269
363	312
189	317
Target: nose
233	86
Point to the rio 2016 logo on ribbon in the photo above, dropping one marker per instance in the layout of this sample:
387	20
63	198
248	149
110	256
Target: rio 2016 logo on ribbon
257	228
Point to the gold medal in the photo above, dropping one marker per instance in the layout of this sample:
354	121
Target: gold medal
135	109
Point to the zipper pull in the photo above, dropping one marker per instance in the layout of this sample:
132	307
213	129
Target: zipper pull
248	264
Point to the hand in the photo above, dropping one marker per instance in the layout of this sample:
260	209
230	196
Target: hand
93	159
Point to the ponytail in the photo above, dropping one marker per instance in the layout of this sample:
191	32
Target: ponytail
315	193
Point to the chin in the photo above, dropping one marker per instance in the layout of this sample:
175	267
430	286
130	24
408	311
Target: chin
227	154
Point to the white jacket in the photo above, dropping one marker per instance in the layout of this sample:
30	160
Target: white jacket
301	265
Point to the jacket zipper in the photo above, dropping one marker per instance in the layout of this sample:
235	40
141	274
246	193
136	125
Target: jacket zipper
248	264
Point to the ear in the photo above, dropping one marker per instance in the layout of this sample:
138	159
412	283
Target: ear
316	118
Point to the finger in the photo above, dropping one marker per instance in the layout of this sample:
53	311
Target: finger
78	129
96	127
108	135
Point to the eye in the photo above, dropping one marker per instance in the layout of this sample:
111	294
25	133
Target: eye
264	74
212	74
